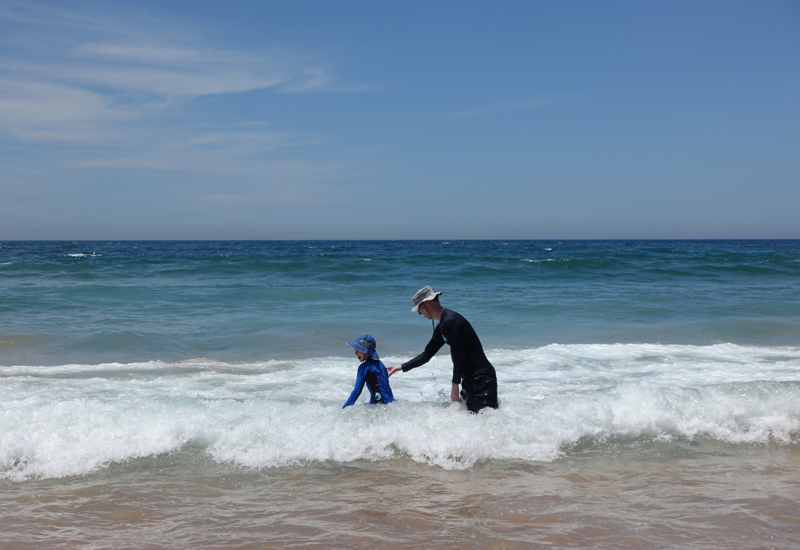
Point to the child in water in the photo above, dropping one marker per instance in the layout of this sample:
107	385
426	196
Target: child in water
371	371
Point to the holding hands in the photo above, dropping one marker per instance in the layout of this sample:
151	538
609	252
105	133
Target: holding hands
394	369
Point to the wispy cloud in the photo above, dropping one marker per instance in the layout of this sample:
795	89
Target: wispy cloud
240	149
73	76
91	98
223	152
529	103
88	92
36	110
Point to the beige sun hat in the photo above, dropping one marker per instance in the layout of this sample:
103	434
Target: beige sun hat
423	295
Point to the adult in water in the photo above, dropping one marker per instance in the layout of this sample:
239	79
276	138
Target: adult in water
471	369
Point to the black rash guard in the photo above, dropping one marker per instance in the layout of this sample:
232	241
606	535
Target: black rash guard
471	368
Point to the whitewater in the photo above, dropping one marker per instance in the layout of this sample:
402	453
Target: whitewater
73	419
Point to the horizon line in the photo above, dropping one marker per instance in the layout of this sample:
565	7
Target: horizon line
445	240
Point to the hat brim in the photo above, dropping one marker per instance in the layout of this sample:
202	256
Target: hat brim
416	307
362	348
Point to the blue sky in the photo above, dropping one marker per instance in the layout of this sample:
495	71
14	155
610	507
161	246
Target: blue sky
437	119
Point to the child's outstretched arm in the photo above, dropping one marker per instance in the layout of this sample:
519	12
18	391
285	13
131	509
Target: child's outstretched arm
361	378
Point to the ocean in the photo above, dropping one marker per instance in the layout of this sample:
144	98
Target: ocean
160	394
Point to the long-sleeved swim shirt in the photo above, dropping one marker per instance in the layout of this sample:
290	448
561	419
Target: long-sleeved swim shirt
373	374
465	347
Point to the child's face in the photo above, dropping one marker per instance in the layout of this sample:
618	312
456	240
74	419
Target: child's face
361	356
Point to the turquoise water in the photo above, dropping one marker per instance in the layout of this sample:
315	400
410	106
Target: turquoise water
98	302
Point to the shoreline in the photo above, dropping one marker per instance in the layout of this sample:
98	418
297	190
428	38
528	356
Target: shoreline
715	498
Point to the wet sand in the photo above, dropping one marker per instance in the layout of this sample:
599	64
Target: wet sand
687	496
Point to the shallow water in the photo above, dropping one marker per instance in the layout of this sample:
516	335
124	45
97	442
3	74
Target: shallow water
643	495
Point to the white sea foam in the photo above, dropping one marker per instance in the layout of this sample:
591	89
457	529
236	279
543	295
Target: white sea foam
73	419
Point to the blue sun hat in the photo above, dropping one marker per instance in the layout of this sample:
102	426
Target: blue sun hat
366	344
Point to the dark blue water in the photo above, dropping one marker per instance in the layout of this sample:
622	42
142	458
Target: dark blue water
98	302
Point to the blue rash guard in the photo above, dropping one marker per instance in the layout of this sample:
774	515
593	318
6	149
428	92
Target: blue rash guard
374	374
